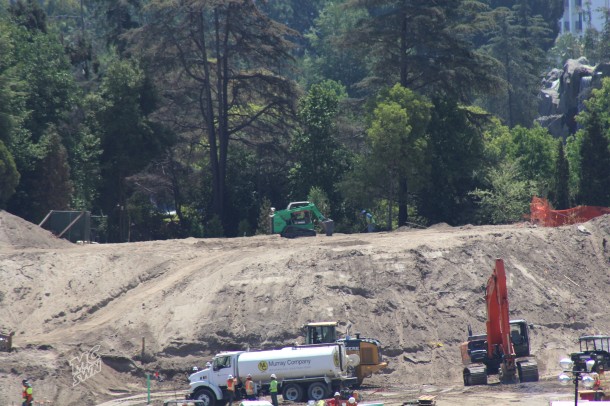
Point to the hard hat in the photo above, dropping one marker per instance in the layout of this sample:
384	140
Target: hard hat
351	400
337	394
273	376
363	211
195	369
249	376
230	377
25	382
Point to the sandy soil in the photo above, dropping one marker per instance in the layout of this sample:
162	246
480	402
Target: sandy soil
415	290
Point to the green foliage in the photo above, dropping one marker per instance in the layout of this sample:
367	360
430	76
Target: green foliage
567	46
319	198
262	225
595	161
518	43
532	149
397	141
591	47
85	171
141	221
243	228
424	45
320	160
128	138
572	150
455	151
213	228
561	190
29	14
594	149
9	177
49	186
327	58
507	199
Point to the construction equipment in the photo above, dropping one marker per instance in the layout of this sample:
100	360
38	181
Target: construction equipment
594	347
304	373
503	349
368	350
299	220
6	341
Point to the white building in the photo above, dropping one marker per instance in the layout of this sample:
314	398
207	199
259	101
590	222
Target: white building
578	15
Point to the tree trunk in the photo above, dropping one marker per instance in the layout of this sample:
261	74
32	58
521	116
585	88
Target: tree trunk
402	178
403	215
206	105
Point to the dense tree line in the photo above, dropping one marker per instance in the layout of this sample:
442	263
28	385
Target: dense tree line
193	118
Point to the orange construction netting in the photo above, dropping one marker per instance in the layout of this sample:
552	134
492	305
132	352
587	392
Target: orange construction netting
542	214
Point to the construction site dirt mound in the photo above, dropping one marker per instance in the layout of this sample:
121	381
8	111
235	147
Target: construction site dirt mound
18	233
91	321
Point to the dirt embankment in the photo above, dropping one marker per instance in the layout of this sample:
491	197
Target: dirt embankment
416	291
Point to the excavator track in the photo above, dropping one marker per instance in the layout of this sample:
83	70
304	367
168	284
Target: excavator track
475	375
528	371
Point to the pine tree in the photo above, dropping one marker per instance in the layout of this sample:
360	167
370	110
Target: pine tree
561	191
595	161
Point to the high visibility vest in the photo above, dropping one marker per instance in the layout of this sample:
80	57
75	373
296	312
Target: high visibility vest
249	387
231	385
273	386
27	393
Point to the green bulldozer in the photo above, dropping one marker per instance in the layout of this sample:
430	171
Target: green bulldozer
299	220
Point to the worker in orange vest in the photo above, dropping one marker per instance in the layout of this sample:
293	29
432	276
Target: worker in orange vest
28	396
250	390
231	383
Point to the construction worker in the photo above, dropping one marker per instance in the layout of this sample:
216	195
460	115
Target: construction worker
273	389
250	391
370	221
335	401
352	402
28	397
231	383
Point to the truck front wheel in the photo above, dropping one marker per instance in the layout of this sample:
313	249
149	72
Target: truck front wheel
206	396
292	392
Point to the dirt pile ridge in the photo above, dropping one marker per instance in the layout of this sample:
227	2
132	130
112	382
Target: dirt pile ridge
18	233
415	291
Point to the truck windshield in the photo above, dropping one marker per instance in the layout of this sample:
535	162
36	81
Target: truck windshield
222	362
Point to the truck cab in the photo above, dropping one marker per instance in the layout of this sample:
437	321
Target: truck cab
209	385
595	347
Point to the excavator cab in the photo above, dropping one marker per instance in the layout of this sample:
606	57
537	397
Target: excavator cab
519	336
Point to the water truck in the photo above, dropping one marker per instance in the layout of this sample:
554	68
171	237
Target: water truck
310	372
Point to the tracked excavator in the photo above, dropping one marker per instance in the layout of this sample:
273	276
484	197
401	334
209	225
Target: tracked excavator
505	349
299	220
368	350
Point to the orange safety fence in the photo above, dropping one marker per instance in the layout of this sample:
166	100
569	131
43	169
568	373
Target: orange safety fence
542	214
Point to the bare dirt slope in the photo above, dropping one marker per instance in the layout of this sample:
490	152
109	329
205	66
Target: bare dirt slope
416	291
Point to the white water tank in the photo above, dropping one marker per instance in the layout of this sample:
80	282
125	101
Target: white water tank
293	362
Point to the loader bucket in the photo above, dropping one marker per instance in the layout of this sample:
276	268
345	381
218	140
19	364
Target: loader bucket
329	227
